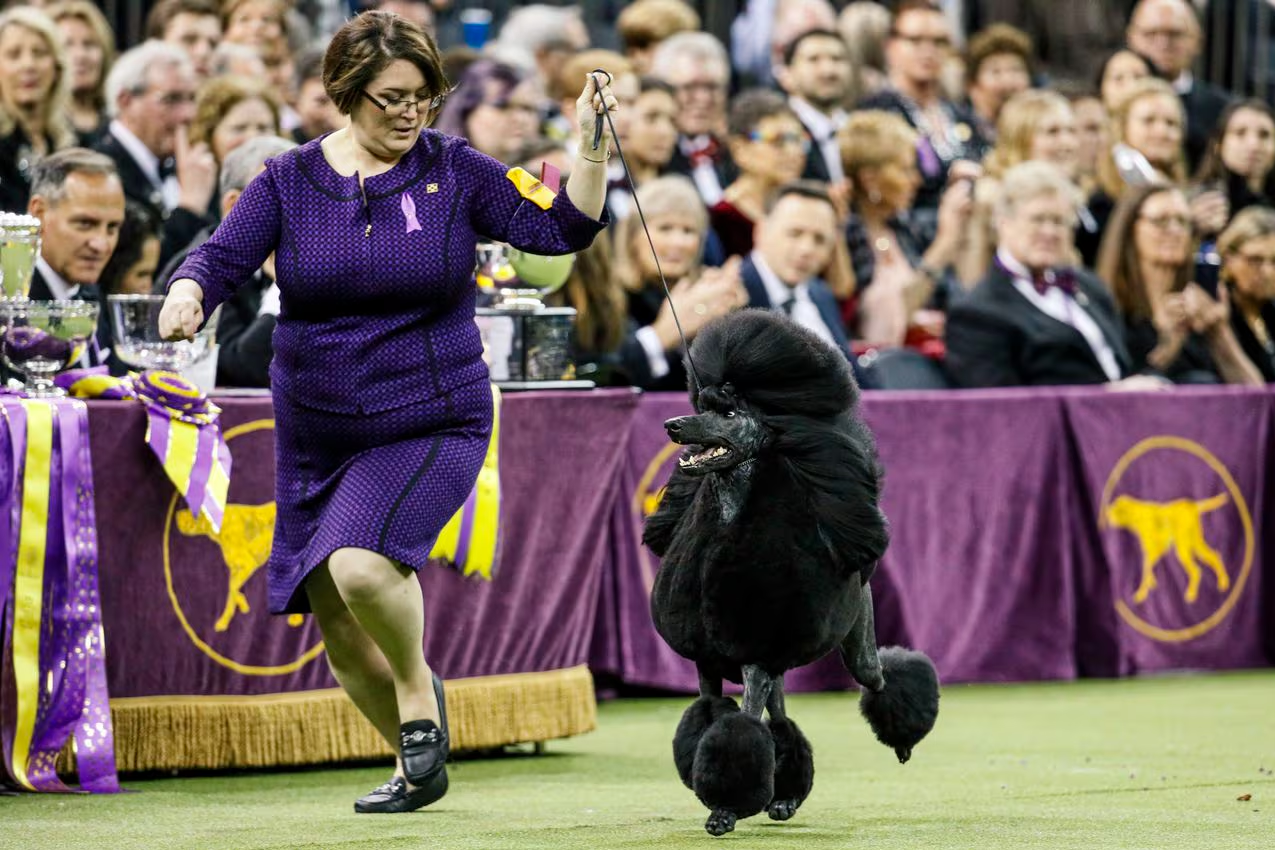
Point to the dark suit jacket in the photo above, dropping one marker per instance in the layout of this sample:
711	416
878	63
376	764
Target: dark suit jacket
816	164
1204	105
820	294
998	338
725	167
180	226
245	339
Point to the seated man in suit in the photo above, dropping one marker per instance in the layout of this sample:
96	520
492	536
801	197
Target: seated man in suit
246	328
794	242
151	98
1034	320
77	196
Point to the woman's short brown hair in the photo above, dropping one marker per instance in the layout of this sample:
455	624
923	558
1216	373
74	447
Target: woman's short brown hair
997	40
366	46
222	94
873	138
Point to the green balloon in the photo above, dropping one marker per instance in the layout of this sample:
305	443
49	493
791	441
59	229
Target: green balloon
546	274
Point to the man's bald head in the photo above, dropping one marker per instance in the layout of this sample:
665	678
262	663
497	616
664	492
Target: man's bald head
1167	32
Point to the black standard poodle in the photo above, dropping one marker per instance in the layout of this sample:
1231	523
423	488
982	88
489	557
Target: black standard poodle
768	532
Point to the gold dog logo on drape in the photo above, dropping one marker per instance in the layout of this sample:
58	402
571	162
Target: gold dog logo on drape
1182	542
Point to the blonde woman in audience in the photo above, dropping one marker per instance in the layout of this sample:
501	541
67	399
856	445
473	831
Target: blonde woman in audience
903	279
651	354
228	112
34	91
1172	325
1247	247
1034	125
90	50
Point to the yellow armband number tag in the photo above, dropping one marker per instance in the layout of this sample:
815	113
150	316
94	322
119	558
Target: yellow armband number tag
531	188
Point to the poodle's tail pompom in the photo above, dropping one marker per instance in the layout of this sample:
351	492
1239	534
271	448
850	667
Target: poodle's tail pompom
904	711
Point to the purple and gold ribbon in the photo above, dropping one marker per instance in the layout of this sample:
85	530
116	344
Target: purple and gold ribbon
469	540
54	636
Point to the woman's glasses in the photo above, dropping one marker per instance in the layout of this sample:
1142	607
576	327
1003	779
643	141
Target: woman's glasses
781	140
1168	222
398	107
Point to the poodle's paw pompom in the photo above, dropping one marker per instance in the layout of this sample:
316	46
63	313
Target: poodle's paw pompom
695	721
794	769
720	822
904	711
734	766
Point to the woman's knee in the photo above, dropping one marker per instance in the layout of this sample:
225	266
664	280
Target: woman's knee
361	576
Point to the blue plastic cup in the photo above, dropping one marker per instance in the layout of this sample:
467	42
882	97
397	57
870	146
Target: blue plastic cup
475	26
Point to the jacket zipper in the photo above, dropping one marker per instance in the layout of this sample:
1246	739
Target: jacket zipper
366	209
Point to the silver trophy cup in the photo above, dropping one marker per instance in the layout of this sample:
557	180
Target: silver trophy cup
19	246
41	338
135	321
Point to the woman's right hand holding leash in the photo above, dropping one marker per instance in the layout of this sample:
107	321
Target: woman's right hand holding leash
183	310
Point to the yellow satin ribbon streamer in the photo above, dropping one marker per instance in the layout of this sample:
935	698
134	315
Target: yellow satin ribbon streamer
481	556
28	587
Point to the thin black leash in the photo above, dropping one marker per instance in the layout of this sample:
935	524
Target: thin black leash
597	142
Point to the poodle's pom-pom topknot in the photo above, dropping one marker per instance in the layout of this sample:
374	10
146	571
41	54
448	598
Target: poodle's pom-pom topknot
904	711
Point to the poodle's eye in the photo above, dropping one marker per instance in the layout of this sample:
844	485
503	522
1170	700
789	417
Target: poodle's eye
730	414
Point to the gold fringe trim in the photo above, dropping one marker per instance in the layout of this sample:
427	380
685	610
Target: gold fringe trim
315	727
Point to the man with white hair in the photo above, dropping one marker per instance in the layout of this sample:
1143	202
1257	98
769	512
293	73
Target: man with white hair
1168	33
150	96
696	66
1036	320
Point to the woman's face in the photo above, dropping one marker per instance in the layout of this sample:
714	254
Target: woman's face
1252	267
1154	128
650	134
1122	72
254	23
243	121
1248	146
140	277
83	54
391	132
503	122
775	152
898	181
677	237
1091	133
1002	76
1162	232
27	66
1055	140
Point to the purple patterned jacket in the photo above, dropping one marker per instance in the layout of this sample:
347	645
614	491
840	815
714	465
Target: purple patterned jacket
377	290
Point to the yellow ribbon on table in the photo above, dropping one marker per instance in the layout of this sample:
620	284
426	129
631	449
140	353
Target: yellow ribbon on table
469	540
28	584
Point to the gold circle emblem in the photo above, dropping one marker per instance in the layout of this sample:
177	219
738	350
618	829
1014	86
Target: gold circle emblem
1174	528
203	646
645	502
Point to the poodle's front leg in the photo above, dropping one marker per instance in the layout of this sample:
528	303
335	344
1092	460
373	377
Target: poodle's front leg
710	685
757	685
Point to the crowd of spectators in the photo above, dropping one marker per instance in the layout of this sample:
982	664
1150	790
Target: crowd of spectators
954	194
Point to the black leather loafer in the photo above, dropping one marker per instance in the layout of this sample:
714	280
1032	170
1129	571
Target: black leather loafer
424	744
393	796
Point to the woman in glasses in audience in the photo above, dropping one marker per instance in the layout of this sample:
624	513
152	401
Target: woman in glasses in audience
1247	247
1172	325
769	145
382	402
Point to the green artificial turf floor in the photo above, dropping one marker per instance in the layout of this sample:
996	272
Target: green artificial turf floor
1156	763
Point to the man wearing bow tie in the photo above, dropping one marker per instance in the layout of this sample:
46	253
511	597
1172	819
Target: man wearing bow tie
696	66
150	93
1035	320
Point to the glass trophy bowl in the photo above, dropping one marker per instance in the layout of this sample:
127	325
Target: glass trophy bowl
19	246
516	280
135	322
41	338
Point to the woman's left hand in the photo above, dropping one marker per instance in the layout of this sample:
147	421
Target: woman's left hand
1204	313
589	112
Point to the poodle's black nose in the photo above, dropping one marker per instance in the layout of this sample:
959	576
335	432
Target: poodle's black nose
674	426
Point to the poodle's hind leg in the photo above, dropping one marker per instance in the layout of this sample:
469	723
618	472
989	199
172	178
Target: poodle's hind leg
794	759
757	686
859	646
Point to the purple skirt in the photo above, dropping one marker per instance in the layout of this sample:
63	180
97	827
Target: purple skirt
386	481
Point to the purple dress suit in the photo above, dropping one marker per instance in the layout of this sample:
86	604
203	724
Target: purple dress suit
382	403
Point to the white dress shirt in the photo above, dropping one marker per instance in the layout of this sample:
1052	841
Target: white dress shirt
1063	307
824	129
169	189
804	311
58	285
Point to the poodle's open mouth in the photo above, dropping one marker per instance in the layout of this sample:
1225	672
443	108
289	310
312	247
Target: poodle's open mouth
706	458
